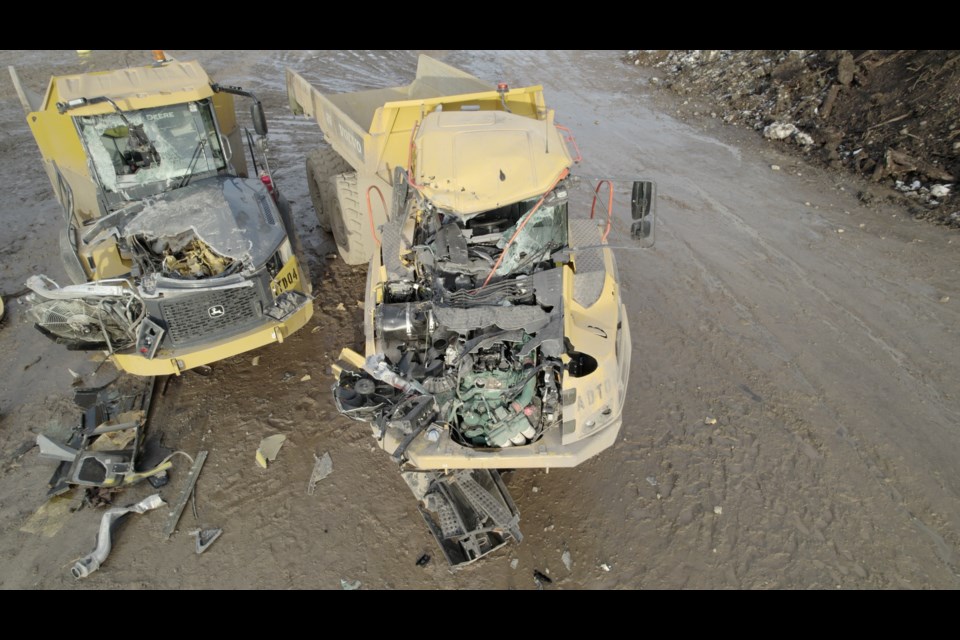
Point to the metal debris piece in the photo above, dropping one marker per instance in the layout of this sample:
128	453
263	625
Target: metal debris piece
205	537
321	469
349	586
540	579
269	448
104	449
91	562
423	560
174	516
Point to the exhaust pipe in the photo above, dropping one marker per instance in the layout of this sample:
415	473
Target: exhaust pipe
90	563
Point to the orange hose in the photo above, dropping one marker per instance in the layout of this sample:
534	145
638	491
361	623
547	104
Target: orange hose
573	140
562	175
370	209
596	192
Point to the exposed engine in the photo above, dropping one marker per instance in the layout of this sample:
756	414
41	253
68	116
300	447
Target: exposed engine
183	256
471	338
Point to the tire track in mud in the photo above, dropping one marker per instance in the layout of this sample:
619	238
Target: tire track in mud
886	482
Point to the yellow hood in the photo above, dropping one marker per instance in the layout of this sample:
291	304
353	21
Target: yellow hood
468	162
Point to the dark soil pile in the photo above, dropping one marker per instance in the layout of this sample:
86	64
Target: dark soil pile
892	116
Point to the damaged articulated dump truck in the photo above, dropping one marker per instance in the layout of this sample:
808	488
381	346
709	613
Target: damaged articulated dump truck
495	336
180	255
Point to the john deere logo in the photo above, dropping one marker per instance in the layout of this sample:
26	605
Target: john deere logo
216	311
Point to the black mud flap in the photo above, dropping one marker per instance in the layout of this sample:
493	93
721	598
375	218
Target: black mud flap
469	512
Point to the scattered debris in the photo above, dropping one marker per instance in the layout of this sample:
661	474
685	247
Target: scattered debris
50	517
315	329
718	510
775	167
32	362
349	585
205	537
944	298
269	448
839	230
709	421
940	190
423	560
340	307
174	516
566	559
321	469
104	449
305	378
540	579
514	563
652	481
255	361
91	562
605	567
98	497
535	489
839	107
548	528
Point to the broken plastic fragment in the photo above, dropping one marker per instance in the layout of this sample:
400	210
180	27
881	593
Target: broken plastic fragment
566	559
322	468
269	448
305	378
349	586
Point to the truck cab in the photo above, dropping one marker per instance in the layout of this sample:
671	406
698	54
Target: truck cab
180	246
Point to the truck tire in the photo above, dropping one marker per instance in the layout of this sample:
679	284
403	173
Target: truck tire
351	228
322	165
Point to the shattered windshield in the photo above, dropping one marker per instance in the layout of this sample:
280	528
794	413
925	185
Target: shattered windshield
544	233
153	150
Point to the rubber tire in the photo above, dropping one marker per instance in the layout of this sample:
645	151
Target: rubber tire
322	165
350	222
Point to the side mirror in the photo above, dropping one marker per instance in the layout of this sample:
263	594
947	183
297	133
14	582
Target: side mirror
643	208
259	120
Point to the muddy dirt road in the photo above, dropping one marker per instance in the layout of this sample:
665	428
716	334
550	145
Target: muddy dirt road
821	335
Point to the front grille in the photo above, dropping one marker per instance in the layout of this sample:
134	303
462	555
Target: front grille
211	314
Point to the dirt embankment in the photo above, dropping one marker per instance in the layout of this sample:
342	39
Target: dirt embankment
892	116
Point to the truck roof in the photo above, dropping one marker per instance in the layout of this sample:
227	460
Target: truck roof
134	88
473	161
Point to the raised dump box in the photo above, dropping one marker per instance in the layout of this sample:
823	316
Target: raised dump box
373	132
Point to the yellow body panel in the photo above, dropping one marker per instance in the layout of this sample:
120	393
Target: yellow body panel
108	262
468	162
131	89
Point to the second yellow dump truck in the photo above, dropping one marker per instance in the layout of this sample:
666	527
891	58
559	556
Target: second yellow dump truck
495	336
181	248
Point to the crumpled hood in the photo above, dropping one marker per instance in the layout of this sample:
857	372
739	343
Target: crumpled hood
236	217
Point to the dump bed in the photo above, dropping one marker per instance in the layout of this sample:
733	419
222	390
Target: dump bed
372	129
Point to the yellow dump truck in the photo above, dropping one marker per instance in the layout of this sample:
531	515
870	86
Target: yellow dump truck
495	337
180	246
